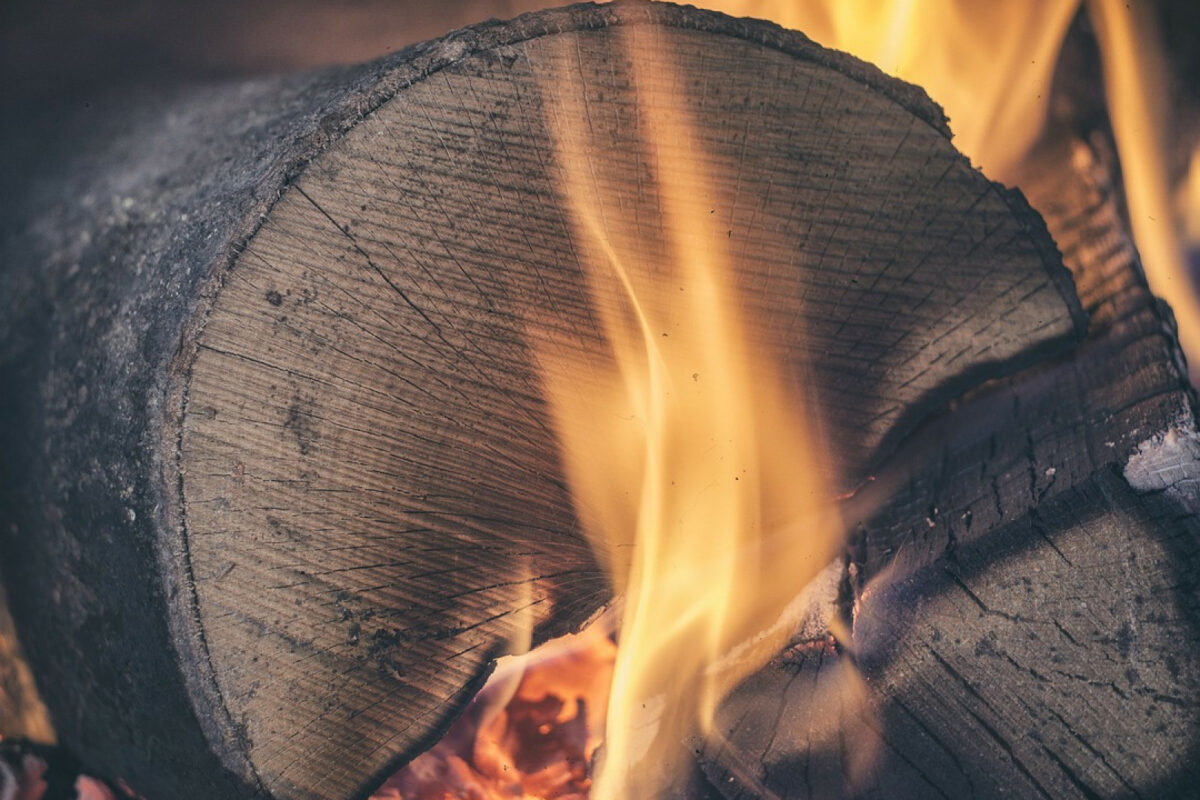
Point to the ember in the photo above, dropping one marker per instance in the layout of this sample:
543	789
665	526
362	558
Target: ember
530	733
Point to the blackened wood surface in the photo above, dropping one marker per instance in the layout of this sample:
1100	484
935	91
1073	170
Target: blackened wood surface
279	479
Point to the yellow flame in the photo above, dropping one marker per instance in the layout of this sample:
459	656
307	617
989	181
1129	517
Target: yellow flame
989	64
695	471
1136	81
693	464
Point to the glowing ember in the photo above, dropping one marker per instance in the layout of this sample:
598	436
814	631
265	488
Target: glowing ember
530	734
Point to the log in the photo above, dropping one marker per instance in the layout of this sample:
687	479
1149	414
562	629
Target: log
280	482
1024	604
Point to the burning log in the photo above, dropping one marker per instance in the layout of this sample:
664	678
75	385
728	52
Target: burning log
284	483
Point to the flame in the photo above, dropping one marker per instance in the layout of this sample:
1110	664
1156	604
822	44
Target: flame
1136	81
694	465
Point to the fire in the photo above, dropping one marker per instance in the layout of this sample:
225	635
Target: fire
694	463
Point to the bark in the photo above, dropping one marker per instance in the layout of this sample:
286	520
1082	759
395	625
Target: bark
281	481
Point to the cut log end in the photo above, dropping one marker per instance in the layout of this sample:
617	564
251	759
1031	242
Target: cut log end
372	497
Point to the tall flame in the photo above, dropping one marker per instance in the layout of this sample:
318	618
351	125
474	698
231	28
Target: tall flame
1136	81
693	463
695	467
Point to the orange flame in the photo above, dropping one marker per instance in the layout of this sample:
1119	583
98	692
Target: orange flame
693	464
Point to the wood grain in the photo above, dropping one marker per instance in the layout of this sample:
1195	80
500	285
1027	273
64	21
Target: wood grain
1050	659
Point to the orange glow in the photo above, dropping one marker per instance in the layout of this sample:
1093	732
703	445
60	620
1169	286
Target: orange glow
528	735
694	466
